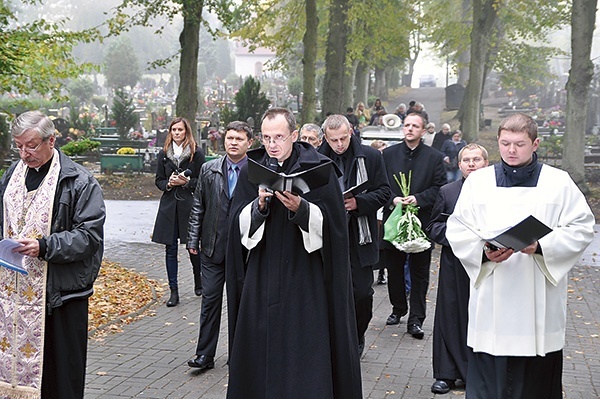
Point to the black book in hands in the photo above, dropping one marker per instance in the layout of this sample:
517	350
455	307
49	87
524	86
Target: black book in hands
353	191
297	183
521	235
9	259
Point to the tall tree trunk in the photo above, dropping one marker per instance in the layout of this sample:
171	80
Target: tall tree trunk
484	20
309	41
465	56
362	83
463	68
335	58
349	85
380	84
580	76
189	39
411	69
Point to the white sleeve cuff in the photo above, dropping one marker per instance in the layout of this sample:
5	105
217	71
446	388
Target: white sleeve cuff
313	239
245	221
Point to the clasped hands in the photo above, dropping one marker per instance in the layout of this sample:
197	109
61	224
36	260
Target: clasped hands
289	200
411	199
178	179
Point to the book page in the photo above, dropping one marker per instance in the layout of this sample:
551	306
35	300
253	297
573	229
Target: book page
10	259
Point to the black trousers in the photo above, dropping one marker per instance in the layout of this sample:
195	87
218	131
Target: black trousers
418	264
213	280
362	287
515	377
65	351
450	351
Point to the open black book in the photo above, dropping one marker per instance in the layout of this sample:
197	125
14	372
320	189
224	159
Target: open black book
359	188
8	258
524	233
297	183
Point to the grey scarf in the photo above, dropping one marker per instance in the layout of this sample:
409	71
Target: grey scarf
185	155
364	232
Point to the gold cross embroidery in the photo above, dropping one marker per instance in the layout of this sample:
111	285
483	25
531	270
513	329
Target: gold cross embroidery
28	350
4	344
35	234
10	289
29	293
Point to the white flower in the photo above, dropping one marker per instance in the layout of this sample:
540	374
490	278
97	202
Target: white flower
414	246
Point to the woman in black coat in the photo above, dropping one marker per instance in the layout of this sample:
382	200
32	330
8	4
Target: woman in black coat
177	172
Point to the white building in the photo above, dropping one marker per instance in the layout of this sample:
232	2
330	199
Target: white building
251	63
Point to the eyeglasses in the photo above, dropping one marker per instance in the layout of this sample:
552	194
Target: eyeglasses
469	160
277	139
29	150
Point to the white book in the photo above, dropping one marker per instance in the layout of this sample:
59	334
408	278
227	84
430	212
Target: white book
10	259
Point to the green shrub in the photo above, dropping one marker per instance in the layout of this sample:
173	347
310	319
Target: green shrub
79	147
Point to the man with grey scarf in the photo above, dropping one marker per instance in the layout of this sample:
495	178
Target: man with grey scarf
359	164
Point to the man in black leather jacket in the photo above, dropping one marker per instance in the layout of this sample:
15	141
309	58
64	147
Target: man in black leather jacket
207	234
54	208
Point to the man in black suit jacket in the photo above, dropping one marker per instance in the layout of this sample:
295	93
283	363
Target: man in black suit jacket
359	163
428	175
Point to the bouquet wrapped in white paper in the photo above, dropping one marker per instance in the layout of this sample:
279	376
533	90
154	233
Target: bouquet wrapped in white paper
403	228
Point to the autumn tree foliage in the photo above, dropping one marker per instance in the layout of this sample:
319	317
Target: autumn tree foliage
36	56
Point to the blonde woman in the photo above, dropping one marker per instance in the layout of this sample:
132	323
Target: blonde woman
363	114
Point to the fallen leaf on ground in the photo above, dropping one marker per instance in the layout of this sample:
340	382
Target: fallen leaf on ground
118	292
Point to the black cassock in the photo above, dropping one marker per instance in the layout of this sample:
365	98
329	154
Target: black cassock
450	350
292	327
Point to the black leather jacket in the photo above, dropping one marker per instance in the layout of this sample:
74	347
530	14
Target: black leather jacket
75	245
206	206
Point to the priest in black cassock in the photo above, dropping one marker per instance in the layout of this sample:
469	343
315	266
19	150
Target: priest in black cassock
292	329
450	350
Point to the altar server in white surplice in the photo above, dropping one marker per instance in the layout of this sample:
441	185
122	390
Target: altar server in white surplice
517	306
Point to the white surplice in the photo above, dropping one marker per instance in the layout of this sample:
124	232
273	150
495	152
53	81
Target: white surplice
518	307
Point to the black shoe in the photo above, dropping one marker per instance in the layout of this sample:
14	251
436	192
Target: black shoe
381	279
173	299
416	331
198	291
442	386
202	362
393	319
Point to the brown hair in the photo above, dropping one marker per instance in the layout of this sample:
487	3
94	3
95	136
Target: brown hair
519	123
271	113
420	115
378	144
334	122
470	147
240	127
189	137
